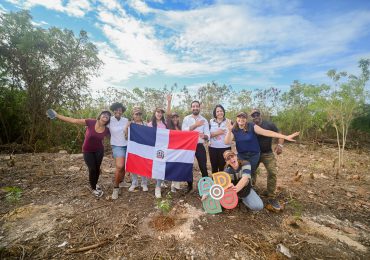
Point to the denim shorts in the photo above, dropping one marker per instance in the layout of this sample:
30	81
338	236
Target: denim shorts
119	151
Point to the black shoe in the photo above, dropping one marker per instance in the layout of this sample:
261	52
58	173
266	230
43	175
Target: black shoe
273	205
190	187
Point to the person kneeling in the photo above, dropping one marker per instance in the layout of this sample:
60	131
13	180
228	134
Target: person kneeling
240	173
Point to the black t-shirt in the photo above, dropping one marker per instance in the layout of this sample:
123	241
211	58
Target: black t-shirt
264	141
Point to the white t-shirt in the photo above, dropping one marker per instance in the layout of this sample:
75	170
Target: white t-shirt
190	120
219	140
117	128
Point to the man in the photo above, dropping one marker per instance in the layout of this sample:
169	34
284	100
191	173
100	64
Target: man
267	157
196	122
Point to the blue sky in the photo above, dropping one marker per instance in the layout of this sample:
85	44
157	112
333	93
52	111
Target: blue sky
246	44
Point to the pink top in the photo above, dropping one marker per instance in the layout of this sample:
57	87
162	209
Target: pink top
160	125
93	140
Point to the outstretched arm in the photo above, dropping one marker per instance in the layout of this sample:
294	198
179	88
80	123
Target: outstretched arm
71	120
269	133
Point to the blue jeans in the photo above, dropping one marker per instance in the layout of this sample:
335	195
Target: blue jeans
144	180
253	158
253	201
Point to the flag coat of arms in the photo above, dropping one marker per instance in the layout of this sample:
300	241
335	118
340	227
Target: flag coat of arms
161	153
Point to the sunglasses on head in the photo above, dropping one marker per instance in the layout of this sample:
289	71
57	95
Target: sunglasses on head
230	156
138	114
256	114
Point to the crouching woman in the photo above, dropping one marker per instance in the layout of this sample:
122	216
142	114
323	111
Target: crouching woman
240	173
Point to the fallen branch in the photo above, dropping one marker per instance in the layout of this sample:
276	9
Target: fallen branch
86	248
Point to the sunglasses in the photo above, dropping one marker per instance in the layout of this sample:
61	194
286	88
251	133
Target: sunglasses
229	157
106	114
254	115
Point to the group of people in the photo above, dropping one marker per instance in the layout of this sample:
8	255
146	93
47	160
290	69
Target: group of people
253	146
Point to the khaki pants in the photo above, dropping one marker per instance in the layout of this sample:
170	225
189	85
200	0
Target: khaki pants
269	161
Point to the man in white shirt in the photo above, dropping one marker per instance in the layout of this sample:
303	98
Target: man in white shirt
196	122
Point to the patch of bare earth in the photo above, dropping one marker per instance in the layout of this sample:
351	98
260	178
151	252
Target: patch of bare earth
56	216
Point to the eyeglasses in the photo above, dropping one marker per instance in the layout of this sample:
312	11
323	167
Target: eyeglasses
254	115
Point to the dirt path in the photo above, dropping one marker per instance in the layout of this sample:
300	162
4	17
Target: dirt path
56	217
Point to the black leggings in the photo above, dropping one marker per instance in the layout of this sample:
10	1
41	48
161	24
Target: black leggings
216	155
93	161
201	156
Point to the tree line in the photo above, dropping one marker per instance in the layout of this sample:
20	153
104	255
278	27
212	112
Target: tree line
43	68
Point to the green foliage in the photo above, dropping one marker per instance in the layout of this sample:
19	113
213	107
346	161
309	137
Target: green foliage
13	194
52	66
164	204
303	109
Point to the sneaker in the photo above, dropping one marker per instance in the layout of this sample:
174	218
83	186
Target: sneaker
132	188
173	189
97	193
145	187
158	193
115	193
98	187
163	185
273	205
124	184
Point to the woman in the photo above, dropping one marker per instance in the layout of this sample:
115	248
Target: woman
245	135
173	123
217	146
92	148
158	121
118	142
136	119
240	174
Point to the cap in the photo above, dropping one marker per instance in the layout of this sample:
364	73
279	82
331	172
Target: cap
227	153
159	109
254	110
136	109
243	114
174	114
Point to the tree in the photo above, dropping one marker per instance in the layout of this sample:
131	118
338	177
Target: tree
52	66
346	98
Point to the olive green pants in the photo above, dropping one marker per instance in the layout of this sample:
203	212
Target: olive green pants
269	161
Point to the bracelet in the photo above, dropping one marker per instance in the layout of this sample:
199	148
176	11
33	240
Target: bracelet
281	145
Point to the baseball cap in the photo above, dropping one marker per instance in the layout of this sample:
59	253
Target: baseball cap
243	114
255	110
136	109
160	109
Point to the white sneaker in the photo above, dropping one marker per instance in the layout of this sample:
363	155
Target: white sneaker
163	185
132	188
145	187
98	187
124	184
97	193
157	192
175	185
115	193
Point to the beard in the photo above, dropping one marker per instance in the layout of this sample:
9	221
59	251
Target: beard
195	112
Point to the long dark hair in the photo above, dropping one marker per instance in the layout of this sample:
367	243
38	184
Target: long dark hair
170	124
154	119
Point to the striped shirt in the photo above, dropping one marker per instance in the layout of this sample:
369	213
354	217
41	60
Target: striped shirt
235	175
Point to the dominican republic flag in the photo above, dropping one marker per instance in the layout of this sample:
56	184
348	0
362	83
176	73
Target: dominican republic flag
161	153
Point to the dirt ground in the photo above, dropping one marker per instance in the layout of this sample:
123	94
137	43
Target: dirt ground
53	214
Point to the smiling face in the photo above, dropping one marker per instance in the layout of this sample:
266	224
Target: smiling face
137	117
219	113
158	115
241	121
175	120
118	112
104	118
257	118
195	108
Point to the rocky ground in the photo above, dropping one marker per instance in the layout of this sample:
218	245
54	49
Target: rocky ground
47	211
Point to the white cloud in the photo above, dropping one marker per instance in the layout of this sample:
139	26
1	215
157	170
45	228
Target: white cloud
139	6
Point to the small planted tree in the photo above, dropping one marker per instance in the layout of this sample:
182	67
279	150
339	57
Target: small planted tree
347	97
